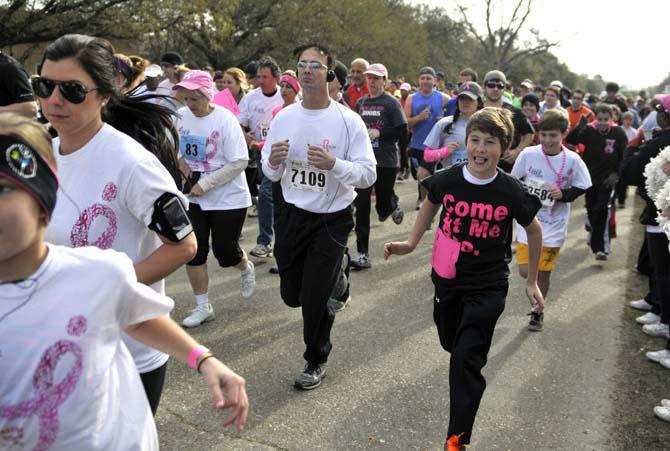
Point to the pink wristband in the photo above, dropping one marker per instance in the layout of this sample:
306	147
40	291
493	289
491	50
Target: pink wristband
196	352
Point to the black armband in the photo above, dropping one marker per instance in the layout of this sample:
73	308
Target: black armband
570	194
170	218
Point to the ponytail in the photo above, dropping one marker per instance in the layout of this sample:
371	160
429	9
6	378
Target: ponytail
149	124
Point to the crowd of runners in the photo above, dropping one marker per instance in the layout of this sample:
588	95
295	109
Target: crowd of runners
115	172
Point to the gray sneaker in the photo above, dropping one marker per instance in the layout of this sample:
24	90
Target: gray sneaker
362	261
248	281
261	251
397	215
311	376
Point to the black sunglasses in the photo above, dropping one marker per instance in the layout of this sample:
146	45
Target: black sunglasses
493	85
73	91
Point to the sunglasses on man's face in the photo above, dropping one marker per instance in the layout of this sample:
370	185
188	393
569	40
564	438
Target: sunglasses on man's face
314	65
73	91
494	85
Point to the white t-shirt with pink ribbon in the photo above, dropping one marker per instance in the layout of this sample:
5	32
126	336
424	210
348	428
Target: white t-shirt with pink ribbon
106	199
209	143
540	171
67	380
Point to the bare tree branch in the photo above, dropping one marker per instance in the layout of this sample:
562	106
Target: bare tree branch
469	25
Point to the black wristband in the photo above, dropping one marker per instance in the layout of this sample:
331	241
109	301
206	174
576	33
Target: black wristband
202	360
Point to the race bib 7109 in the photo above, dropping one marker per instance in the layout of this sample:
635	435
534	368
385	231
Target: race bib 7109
305	177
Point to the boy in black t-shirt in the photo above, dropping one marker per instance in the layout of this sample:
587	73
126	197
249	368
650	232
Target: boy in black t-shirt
604	143
470	275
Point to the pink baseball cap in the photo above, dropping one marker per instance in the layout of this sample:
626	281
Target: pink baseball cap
197	80
377	69
405	87
665	100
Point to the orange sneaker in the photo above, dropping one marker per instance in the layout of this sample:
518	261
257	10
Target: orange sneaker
454	443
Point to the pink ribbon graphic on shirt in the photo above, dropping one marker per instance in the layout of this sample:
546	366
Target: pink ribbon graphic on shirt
79	234
49	396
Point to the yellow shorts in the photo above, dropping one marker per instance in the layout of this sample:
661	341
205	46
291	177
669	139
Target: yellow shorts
548	257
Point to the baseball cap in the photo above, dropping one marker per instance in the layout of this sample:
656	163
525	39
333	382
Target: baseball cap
528	83
173	58
495	75
470	89
665	100
440	74
377	69
197	80
405	87
427	70
153	70
557	83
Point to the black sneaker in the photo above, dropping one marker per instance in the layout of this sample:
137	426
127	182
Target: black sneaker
536	321
310	377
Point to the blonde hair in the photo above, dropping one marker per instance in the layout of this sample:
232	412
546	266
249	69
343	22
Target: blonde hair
239	76
30	132
180	71
137	64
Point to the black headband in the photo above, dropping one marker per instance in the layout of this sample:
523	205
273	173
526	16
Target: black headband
24	166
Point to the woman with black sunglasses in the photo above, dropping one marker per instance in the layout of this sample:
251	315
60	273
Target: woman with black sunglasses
113	192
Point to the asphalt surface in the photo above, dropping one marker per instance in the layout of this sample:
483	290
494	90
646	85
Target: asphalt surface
581	384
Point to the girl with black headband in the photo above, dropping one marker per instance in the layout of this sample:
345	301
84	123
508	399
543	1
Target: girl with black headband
65	373
113	193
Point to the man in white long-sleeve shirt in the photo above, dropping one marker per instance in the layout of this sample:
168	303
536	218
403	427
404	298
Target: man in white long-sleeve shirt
320	151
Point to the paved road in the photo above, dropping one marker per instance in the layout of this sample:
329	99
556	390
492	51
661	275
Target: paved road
387	383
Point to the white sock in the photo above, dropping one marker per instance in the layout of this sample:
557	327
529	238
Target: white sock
249	268
202	299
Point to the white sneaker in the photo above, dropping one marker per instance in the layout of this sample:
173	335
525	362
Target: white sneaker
261	251
665	402
657	356
200	314
248	281
665	363
648	318
640	304
657	330
662	412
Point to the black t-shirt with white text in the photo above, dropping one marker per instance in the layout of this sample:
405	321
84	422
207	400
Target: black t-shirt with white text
470	241
385	114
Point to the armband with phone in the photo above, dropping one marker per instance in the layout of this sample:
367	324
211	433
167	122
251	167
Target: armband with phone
170	218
